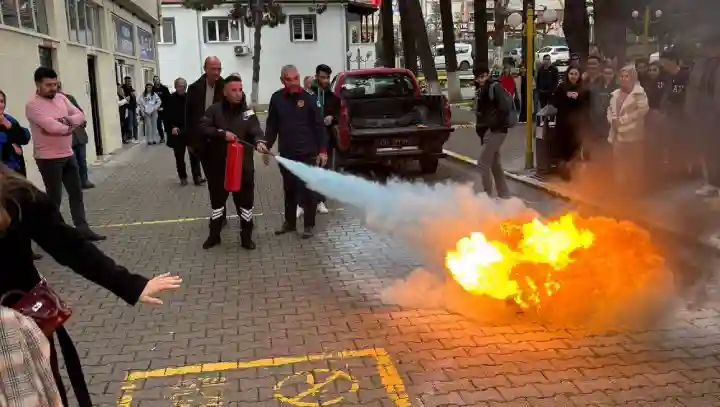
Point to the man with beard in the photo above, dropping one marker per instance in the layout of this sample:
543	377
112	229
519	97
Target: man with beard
295	119
230	121
52	120
546	80
176	127
163	92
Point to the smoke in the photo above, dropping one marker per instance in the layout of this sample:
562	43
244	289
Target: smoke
431	219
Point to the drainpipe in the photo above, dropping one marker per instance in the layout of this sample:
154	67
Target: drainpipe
346	38
200	39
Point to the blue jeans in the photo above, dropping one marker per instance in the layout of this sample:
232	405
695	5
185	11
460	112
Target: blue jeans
80	152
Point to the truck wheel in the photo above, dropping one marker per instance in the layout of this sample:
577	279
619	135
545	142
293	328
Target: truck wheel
464	66
429	165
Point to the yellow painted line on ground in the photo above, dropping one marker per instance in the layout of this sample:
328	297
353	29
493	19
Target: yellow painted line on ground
389	375
159	222
460	157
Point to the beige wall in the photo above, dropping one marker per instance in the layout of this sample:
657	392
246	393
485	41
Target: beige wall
19	50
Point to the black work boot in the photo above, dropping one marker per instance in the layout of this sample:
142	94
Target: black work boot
246	229
213	238
199	181
285	228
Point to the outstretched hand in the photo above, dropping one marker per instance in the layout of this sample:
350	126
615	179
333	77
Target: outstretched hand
157	285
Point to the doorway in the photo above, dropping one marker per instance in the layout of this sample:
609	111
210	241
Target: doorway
94	104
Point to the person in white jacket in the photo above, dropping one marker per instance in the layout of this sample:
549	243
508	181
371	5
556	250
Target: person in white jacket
149	104
626	115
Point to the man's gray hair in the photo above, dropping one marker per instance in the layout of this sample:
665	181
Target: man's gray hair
178	80
287	68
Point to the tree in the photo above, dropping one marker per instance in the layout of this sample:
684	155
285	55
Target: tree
481	35
611	19
576	26
408	38
414	19
387	34
451	64
500	14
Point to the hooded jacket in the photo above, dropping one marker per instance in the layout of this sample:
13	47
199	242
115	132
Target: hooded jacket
17	135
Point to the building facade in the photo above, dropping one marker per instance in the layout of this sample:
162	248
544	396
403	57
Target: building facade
306	39
91	44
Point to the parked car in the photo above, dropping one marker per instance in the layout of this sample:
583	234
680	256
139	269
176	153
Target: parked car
516	55
556	52
385	119
464	52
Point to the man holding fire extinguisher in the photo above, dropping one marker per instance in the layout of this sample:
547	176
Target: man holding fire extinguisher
225	122
294	119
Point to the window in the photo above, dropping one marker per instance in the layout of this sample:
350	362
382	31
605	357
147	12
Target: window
46	57
223	30
462	49
148	74
167	31
378	85
83	19
303	28
29	14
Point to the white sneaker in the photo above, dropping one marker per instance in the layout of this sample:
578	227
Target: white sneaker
300	212
135	141
321	208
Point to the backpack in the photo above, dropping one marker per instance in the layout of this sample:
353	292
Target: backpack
505	102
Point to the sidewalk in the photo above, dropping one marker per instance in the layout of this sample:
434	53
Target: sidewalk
675	209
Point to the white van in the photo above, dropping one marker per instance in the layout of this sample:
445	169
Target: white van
463	51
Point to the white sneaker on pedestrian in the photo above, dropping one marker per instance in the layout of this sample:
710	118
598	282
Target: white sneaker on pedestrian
135	141
300	212
321	208
707	190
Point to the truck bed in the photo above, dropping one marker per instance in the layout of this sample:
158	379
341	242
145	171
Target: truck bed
393	114
399	131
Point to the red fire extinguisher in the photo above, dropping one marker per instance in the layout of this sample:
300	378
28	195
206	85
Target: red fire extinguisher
233	167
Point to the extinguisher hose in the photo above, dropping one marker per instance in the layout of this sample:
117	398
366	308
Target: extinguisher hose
251	145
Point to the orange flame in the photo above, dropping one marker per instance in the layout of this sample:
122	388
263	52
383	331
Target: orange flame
491	268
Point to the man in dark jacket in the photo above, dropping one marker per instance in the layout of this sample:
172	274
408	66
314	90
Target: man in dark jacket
329	106
202	94
493	106
295	119
230	121
131	109
163	92
177	135
79	144
546	80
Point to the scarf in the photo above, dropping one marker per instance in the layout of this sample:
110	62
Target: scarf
320	92
11	159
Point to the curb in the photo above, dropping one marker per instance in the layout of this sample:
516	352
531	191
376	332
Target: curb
709	242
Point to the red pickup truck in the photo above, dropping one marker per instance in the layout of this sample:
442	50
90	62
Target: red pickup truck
384	119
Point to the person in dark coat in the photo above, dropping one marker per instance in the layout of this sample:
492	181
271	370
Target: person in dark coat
177	137
546	80
230	121
572	102
163	92
79	144
131	110
329	106
12	137
27	214
295	120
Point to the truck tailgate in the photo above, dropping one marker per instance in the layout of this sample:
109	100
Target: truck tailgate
408	131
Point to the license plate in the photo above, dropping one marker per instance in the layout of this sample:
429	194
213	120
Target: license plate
397	142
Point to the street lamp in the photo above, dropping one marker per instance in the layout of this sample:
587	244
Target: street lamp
647	20
516	20
359	58
591	20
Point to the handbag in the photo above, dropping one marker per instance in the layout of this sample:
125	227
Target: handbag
41	304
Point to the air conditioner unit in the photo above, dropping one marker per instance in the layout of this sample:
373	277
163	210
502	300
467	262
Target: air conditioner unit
242	50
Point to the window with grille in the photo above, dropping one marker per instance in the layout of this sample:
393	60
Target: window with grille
303	28
223	30
83	19
27	14
167	31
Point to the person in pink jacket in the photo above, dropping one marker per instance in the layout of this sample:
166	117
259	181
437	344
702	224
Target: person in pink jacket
52	120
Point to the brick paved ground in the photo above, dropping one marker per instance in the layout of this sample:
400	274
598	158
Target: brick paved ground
294	298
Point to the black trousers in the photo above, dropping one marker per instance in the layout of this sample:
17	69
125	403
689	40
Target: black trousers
243	199
179	151
59	172
296	192
161	131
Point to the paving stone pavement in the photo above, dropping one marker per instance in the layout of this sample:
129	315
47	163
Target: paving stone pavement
301	316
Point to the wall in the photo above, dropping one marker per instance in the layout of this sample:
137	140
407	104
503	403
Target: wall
184	58
19	50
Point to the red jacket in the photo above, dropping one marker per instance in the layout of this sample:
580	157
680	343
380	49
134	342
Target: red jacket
508	82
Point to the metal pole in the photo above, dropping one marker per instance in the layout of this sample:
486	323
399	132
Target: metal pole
646	28
530	74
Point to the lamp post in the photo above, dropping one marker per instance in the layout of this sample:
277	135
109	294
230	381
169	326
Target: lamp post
648	18
359	58
591	19
527	24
